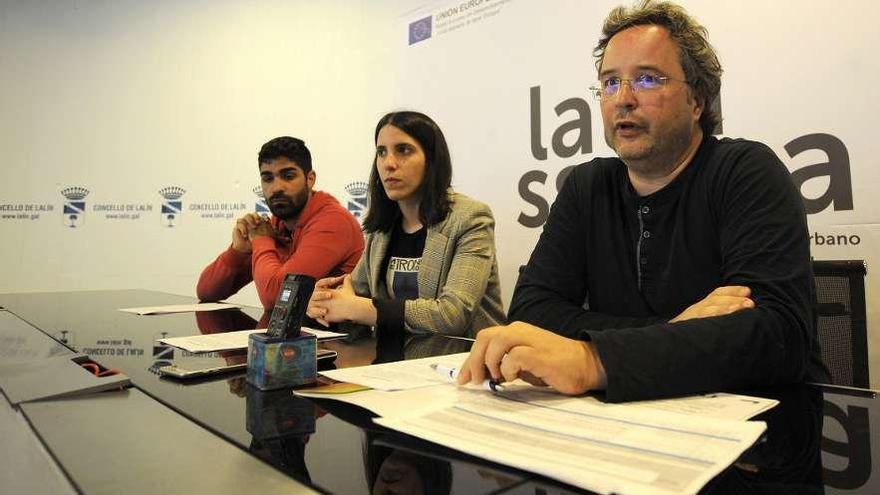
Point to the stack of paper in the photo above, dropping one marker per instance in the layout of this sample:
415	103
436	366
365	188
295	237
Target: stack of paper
229	341
400	375
179	308
655	447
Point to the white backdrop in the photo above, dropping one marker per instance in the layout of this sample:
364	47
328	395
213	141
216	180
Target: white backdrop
124	99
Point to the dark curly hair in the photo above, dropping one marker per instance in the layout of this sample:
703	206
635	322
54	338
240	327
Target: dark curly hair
288	147
702	70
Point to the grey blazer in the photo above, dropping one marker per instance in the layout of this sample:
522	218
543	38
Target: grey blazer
459	290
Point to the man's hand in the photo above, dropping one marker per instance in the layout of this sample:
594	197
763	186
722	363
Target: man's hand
520	350
721	301
258	226
328	305
244	230
240	240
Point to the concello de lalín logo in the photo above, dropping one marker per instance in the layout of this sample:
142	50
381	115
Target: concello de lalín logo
260	207
172	206
357	201
74	206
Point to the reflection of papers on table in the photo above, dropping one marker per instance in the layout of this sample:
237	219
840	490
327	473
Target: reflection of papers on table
179	308
230	341
654	447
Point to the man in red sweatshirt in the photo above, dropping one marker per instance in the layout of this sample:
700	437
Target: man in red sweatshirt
309	231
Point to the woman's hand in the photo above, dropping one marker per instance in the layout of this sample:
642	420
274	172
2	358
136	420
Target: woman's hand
332	305
315	311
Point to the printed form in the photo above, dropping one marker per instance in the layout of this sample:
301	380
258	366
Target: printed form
399	375
607	450
671	446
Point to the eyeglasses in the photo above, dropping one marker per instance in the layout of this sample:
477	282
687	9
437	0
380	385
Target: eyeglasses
610	86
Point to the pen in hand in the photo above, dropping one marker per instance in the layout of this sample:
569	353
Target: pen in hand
452	373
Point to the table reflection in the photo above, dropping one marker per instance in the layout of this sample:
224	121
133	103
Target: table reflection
393	470
834	426
228	320
281	425
786	460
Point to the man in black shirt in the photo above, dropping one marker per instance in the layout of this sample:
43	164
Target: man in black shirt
681	267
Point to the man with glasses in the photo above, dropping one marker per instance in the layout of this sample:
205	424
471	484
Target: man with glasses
682	266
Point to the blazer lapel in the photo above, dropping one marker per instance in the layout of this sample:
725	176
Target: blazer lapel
377	255
433	258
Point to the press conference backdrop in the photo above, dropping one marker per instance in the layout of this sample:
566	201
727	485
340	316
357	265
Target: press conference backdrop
129	132
508	79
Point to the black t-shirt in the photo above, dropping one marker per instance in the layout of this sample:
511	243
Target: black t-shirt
404	259
401	268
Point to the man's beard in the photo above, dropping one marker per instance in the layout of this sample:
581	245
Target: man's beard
290	207
660	154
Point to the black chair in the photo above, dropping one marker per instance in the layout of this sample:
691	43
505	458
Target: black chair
841	320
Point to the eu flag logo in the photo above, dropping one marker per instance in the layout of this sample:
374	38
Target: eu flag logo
420	30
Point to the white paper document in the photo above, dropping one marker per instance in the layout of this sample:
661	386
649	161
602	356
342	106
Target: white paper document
229	341
720	405
179	308
607	450
396	404
400	375
672	446
717	405
212	342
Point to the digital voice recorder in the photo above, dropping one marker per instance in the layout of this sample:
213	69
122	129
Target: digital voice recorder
290	306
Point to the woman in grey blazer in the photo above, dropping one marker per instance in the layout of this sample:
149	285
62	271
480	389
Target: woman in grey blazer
429	266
